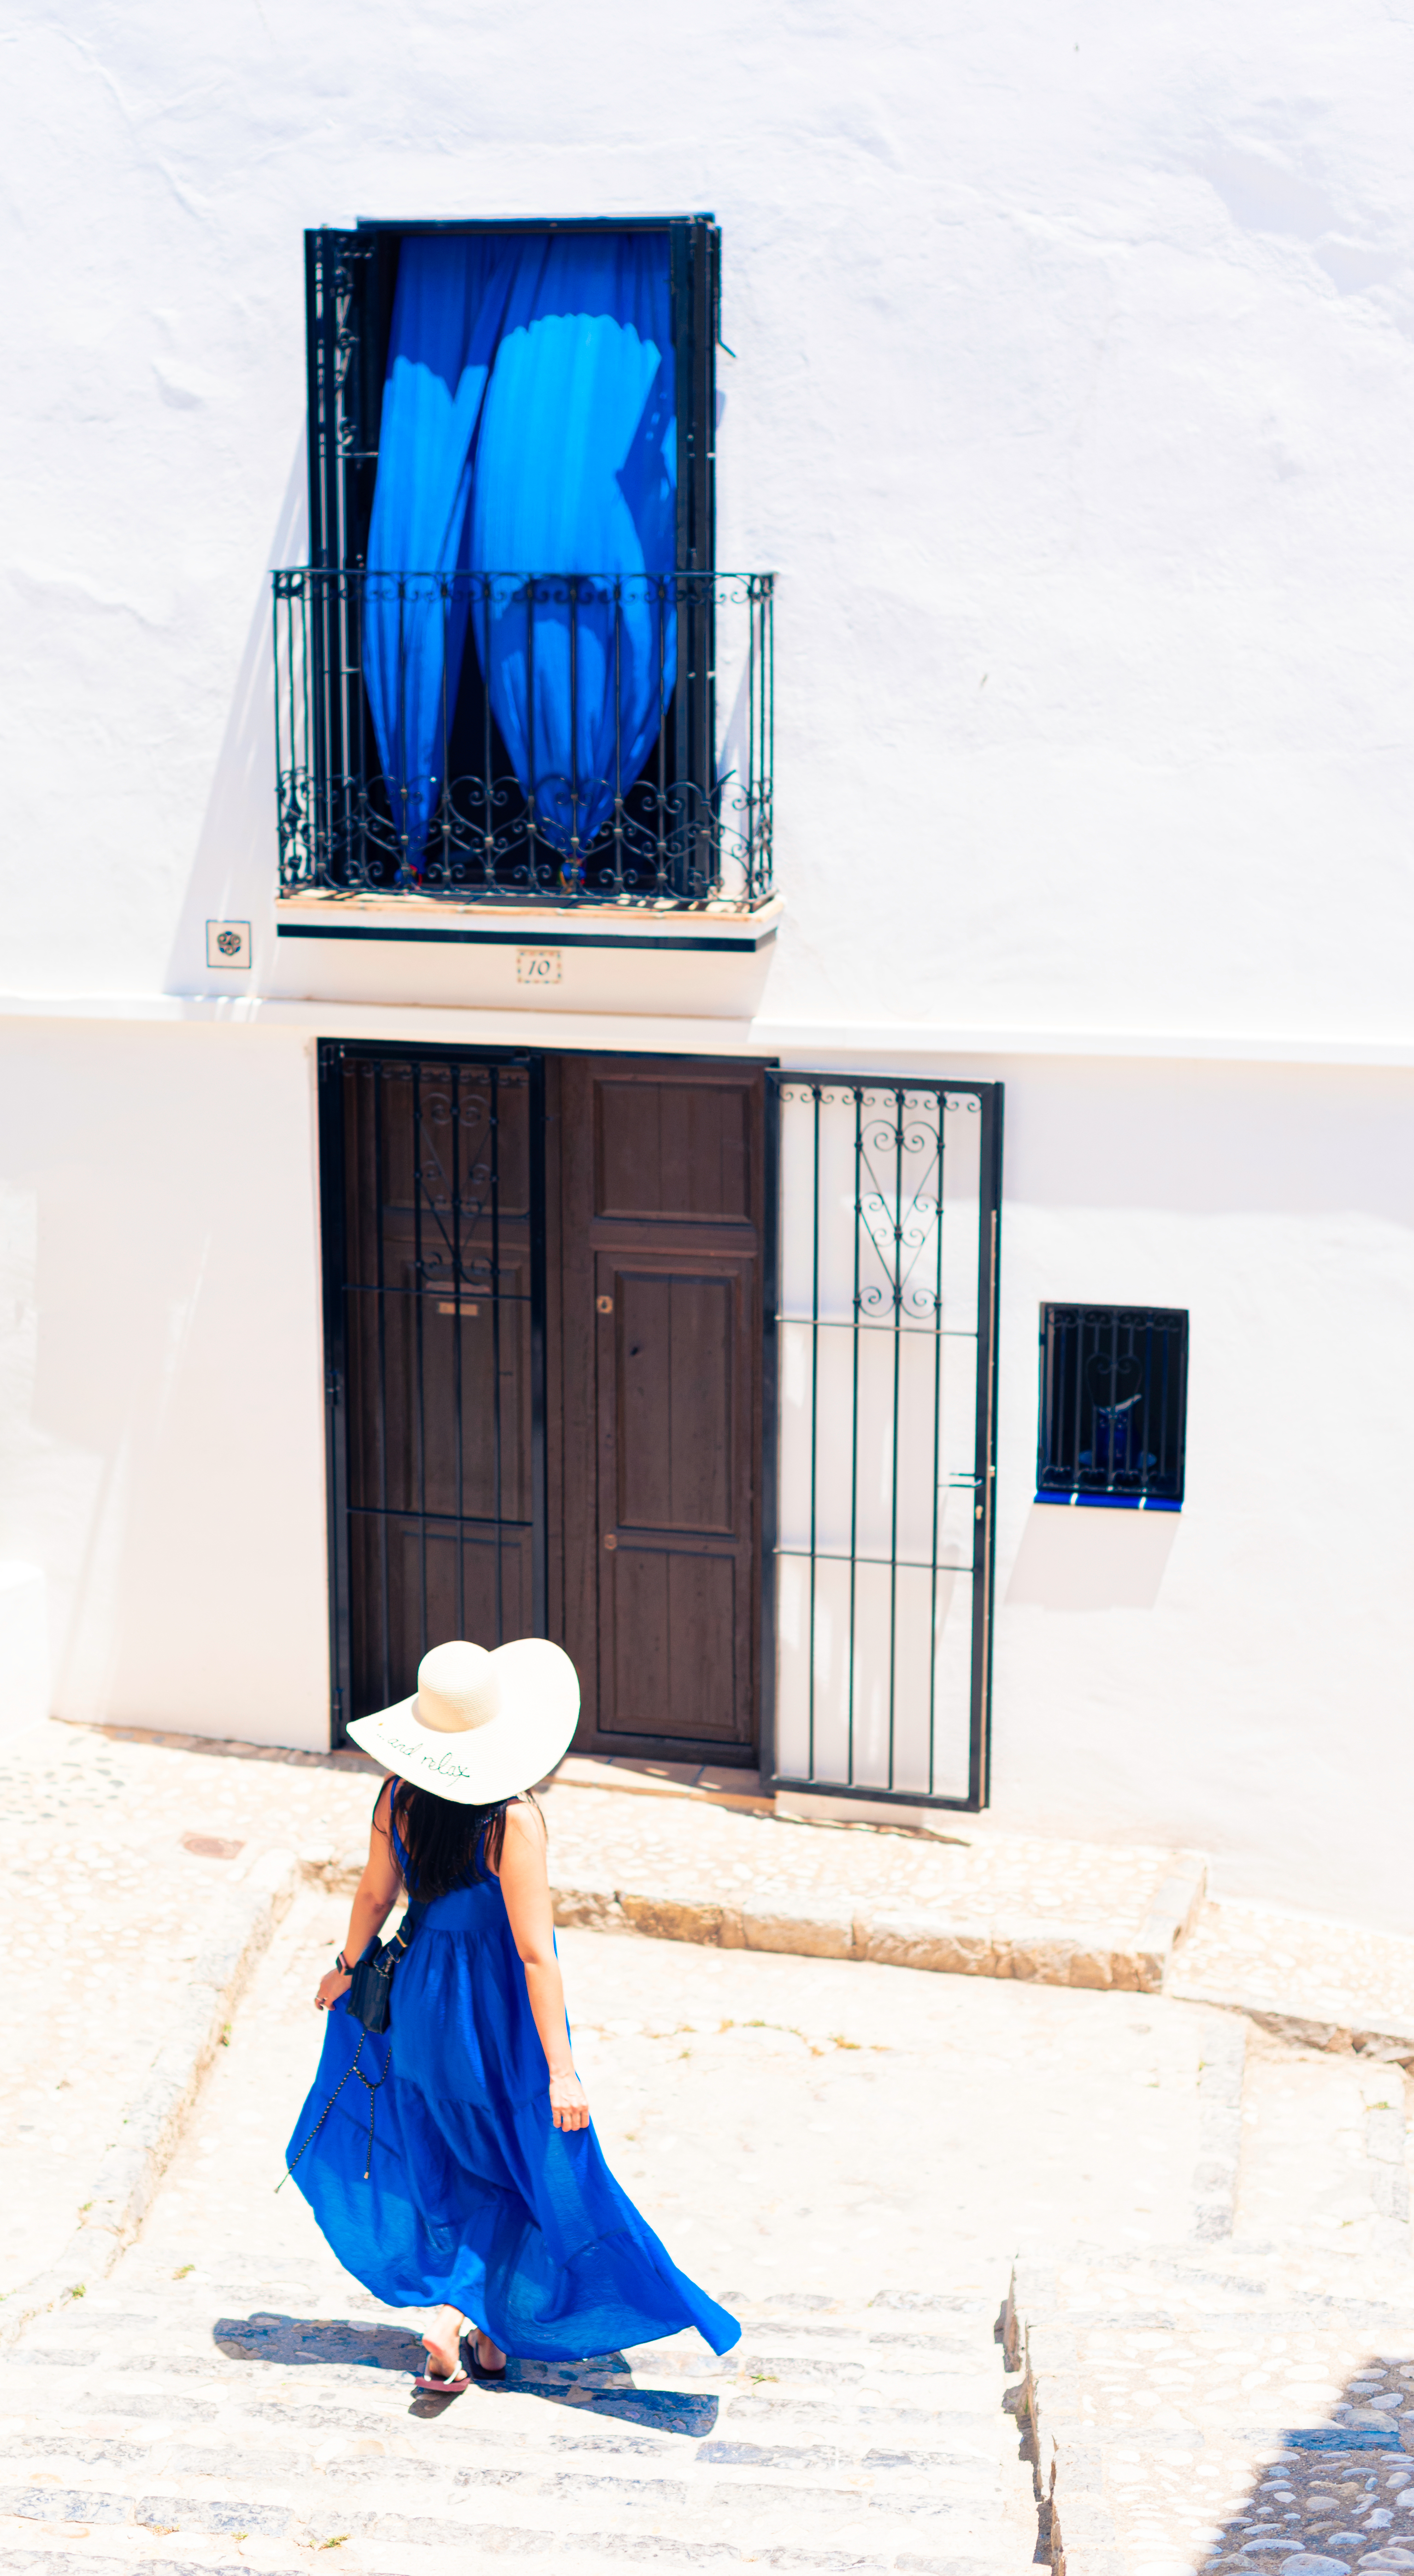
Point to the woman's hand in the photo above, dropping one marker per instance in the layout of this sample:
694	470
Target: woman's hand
568	2105
330	1988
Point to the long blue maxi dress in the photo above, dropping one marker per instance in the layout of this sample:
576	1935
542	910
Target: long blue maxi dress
474	2200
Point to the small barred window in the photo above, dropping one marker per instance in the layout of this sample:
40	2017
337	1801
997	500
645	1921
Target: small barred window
1114	1400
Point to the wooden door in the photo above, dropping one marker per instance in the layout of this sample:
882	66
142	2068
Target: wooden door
661	1162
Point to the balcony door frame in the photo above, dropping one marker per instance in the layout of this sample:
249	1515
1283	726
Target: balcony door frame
350	288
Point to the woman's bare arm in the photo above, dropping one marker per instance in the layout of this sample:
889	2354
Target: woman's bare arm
376	1897
525	1885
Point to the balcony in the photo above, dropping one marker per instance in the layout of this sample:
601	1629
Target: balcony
582	742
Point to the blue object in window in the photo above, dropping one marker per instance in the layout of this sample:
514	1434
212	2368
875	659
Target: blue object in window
1113	1412
528	430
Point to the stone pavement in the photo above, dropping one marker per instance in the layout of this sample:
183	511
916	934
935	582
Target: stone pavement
1357	1981
970	1901
1222	2415
1208	2208
115	1891
804	2135
161	1833
1236	2401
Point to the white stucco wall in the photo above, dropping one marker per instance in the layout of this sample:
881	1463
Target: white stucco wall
1071	400
1071	396
1235	1676
161	1396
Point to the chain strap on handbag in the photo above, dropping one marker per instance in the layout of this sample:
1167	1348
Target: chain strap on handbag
367	1999
371	2085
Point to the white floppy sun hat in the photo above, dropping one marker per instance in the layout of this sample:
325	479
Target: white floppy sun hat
479	1727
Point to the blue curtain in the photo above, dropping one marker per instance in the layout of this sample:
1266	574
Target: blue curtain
447	314
528	433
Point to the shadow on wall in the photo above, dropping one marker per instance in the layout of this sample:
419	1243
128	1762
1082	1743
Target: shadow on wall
1071	1558
233	872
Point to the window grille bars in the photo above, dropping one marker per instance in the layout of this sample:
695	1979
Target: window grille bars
884	1354
1113	1408
694	825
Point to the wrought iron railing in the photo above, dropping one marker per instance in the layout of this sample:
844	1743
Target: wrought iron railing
606	738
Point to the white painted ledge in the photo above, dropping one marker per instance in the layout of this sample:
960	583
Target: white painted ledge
886	1045
599	960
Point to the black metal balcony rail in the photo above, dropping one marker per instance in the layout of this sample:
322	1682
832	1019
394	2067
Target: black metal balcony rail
1114	1401
640	708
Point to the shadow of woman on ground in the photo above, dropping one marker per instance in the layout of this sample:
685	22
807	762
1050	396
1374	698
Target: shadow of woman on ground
601	2384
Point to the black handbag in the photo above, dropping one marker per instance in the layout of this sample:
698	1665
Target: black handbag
372	1983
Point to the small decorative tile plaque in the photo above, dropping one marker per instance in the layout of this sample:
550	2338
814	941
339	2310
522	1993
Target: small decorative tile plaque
228	944
538	965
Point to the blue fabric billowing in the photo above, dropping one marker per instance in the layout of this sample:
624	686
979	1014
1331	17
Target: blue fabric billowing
474	2199
528	430
576	473
451	299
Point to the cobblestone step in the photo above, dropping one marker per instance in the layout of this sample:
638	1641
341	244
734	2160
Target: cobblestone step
169	1830
1216	2423
842	2139
1171	2386
793	2452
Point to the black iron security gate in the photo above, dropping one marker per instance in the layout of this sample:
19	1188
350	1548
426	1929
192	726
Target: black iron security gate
884	1356
434	1235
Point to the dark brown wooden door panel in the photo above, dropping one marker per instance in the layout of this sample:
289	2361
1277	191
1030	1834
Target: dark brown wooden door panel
673	1359
674	1645
661	1291
675	1148
405	1590
676	1518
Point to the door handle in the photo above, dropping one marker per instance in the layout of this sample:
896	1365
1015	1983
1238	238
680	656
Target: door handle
611	1542
605	1305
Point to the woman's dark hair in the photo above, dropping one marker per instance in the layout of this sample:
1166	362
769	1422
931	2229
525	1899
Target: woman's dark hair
443	1841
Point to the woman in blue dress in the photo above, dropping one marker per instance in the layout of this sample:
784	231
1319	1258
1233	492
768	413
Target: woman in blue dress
450	2160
